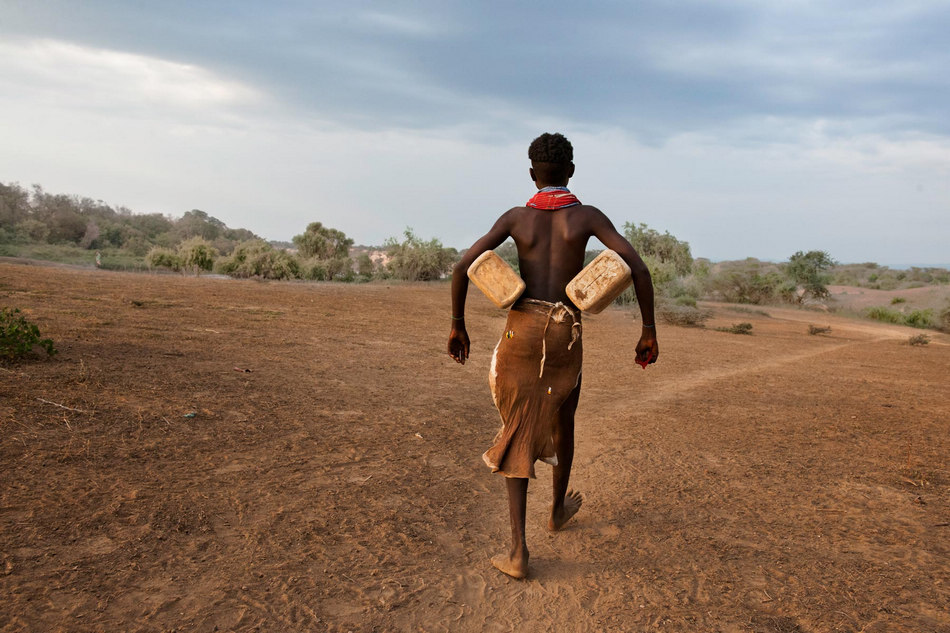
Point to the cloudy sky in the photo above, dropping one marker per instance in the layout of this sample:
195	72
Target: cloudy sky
748	128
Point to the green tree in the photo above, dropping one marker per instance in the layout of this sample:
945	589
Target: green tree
322	242
660	247
198	223
809	270
416	260
14	205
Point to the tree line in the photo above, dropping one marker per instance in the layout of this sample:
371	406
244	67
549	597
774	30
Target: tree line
198	242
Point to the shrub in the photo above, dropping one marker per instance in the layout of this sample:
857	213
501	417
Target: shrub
365	266
197	254
416	260
257	258
920	318
918	339
683	315
749	286
159	257
944	320
897	300
814	329
336	268
884	314
18	335
737	328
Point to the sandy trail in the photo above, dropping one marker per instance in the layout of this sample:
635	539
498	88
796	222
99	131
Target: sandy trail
774	482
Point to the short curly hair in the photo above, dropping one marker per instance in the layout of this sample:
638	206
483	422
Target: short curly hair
551	148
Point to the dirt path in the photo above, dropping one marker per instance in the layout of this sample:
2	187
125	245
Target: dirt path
772	483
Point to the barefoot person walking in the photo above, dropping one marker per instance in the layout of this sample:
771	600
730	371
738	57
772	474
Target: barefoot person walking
535	373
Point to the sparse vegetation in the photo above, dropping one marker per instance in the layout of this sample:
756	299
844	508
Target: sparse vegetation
673	313
920	318
876	277
809	272
884	315
19	335
745	310
918	340
897	300
161	257
749	281
70	229
257	258
196	254
413	259
914	318
737	328
815	329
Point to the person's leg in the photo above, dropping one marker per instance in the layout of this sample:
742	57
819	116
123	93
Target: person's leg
566	503
515	563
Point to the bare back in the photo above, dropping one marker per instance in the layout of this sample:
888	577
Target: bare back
551	247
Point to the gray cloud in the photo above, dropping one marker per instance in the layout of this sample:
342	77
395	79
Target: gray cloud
649	68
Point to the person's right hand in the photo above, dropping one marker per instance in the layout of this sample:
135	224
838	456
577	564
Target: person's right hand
458	344
647	349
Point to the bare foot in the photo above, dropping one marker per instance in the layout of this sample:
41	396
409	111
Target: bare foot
514	567
572	503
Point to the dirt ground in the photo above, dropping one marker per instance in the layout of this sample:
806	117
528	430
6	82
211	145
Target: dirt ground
934	298
778	482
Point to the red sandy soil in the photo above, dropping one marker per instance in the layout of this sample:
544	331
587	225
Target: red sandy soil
779	482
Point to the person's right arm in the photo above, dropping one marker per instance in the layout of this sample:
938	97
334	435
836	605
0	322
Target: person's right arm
458	336
647	348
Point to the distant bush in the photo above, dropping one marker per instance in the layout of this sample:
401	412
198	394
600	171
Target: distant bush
662	273
365	267
918	339
748	285
257	258
18	336
673	313
197	254
897	300
884	315
871	275
333	269
737	328
943	320
413	259
916	318
160	257
744	310
920	318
